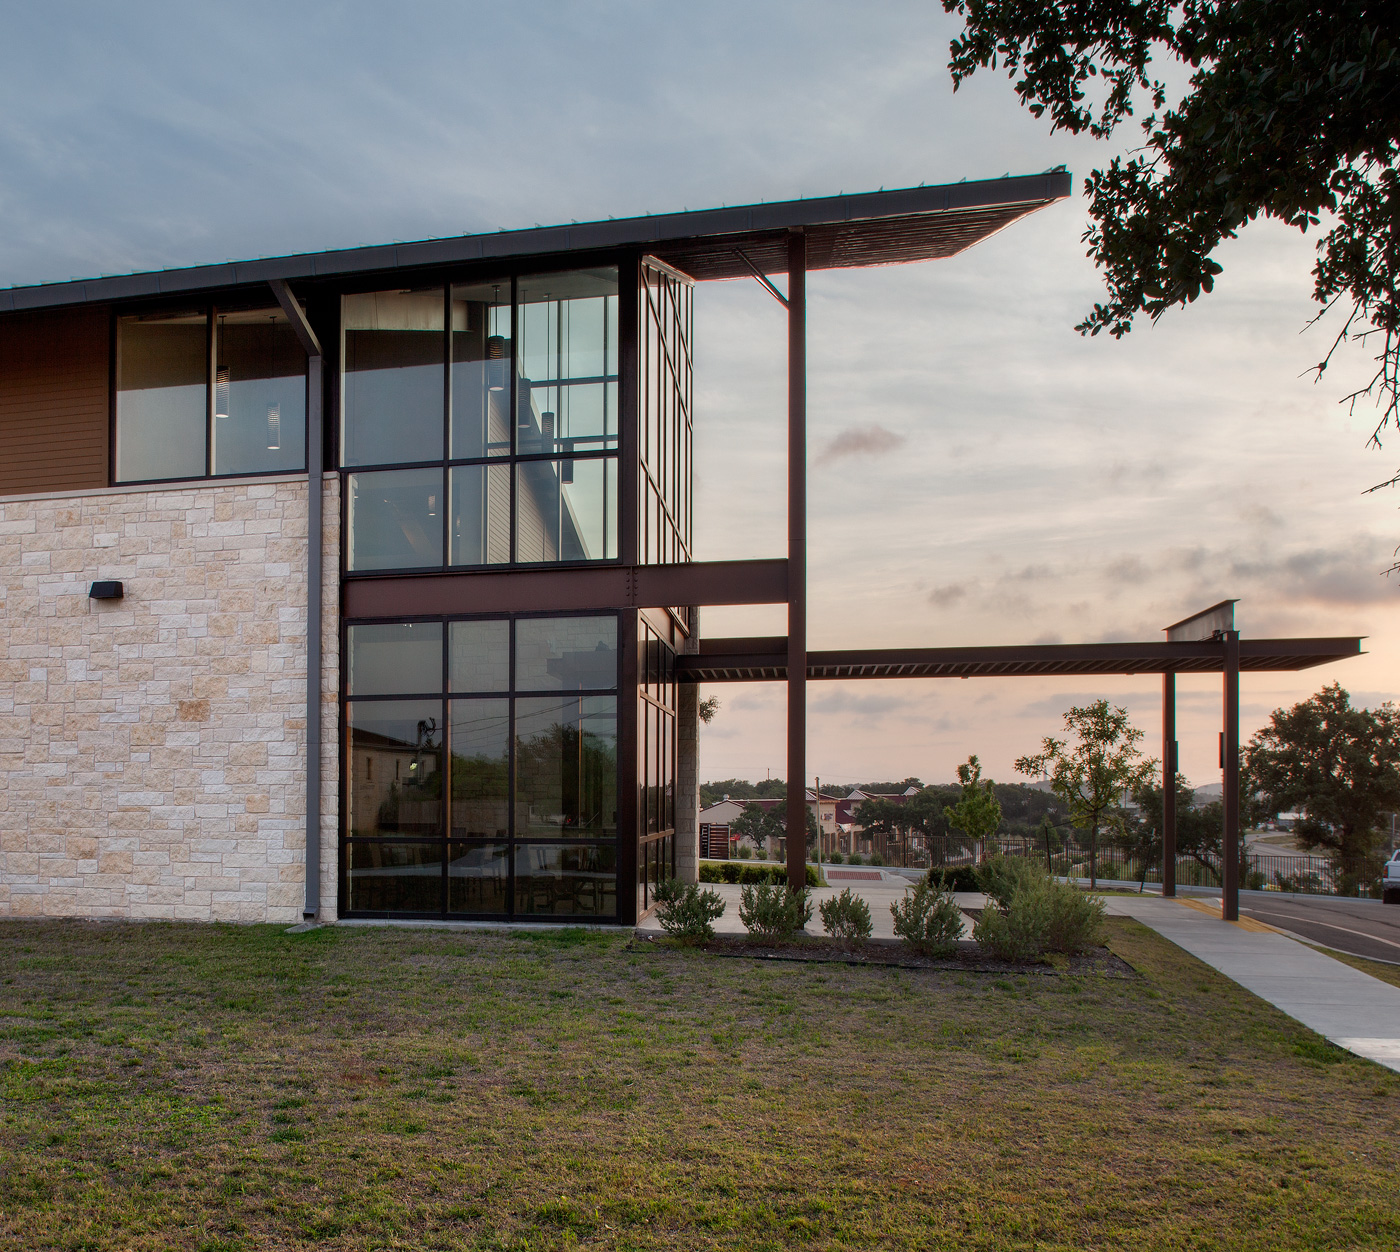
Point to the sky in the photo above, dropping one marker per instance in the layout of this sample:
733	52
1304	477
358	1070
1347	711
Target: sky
979	472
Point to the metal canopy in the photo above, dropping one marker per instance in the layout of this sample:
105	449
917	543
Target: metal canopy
765	659
874	228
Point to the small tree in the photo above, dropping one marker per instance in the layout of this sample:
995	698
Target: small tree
1339	766
978	813
758	824
1092	772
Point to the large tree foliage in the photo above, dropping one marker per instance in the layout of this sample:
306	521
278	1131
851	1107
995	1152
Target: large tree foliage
1200	831
1292	111
1093	769
978	811
1339	767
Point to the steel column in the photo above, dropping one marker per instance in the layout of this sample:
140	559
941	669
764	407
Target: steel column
797	563
1230	908
315	459
1168	783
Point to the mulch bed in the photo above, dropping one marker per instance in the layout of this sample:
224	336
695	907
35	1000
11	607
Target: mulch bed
968	959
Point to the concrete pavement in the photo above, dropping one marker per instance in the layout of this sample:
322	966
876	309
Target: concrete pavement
1343	1005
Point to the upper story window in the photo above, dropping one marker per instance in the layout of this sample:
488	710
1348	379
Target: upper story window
209	393
479	423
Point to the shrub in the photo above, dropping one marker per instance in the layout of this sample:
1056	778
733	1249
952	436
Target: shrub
958	878
732	871
876	859
836	859
857	859
928	920
846	916
1041	916
685	911
745	852
771	911
1001	876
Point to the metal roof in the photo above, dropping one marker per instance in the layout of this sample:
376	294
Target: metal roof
765	659
873	228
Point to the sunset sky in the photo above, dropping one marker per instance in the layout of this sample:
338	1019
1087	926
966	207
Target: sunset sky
979	472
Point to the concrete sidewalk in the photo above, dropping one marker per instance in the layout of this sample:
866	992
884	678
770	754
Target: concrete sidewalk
1349	1008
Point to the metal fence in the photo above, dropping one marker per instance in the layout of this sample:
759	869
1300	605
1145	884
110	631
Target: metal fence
1260	870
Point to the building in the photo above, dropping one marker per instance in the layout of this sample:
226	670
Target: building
360	584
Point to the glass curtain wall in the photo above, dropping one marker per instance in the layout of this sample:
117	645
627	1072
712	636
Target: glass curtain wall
481	768
665	426
214	392
656	762
479	423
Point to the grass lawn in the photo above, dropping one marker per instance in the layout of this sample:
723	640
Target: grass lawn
213	1088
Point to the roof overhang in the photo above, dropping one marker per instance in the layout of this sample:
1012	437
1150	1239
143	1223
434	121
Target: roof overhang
874	228
765	659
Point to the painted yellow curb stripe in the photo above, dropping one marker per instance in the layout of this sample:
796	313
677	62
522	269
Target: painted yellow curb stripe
1244	923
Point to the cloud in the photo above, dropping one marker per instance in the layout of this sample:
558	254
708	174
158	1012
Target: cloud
869	440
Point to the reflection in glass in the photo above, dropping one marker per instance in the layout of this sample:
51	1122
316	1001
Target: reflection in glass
479	656
259	393
567	367
478	878
399	658
480	769
162	396
391	401
566	879
394	519
566	766
566	653
566	510
394	877
394	767
481	365
480	514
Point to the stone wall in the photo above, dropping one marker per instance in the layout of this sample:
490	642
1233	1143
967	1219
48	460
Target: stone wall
152	748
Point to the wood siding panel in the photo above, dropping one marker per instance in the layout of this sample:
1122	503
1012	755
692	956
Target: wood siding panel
54	401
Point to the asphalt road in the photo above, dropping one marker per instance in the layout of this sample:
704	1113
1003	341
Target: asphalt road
1361	927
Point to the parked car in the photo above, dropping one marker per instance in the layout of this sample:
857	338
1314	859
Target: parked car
1390	880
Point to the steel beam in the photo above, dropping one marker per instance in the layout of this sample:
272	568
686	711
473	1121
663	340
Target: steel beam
592	587
1231	776
314	453
797	563
1168	783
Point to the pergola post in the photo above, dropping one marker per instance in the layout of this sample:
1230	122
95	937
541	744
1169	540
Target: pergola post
797	563
1168	783
1230	769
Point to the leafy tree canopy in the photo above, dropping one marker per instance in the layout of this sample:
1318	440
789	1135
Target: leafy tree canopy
1093	770
1337	765
978	812
1291	111
741	789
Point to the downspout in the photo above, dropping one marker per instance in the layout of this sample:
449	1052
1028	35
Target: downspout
314	466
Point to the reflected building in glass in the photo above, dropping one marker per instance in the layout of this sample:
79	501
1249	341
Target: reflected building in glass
394	609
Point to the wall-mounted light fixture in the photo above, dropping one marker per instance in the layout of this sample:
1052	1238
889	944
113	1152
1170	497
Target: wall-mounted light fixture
106	591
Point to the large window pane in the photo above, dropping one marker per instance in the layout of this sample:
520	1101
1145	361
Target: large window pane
394	877
481	366
566	510
392	400
395	519
259	394
394	767
480	747
567	388
566	766
577	880
402	658
162	396
478	878
480	514
479	656
566	653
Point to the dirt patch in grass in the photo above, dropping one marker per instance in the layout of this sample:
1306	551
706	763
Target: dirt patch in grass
968	958
217	1088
